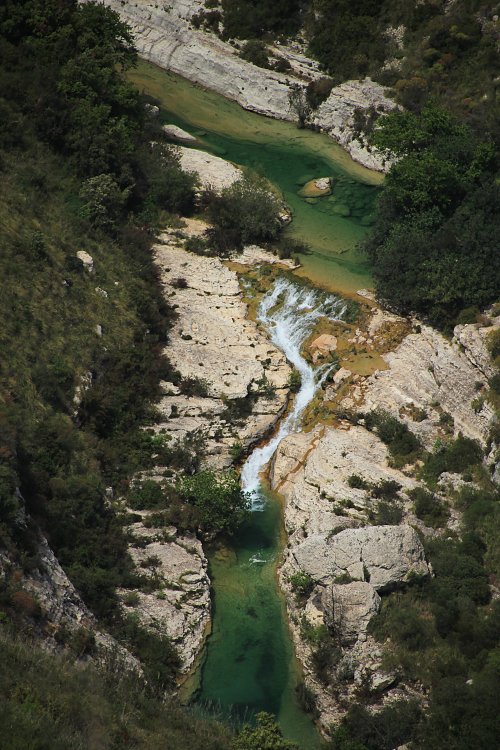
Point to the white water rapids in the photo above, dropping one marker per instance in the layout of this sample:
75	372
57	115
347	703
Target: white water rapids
288	312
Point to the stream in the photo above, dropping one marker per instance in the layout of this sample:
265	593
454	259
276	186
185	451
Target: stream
249	663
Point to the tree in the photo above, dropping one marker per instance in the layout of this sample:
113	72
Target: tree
102	201
221	504
266	735
243	213
299	104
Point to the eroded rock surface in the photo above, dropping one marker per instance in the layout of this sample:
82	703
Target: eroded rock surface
383	556
212	340
180	603
62	614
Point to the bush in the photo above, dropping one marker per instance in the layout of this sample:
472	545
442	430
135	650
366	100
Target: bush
357	482
455	456
244	213
302	584
402	443
194	387
218	499
429	508
255	52
386	514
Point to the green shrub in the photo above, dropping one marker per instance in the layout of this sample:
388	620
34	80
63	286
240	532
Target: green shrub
429	508
402	443
218	499
455	456
244	213
357	482
302	584
256	52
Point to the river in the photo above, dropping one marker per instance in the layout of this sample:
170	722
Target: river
287	157
249	663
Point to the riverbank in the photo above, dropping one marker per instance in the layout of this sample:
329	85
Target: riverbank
164	35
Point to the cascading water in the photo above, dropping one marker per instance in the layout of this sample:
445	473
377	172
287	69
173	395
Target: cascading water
288	312
249	665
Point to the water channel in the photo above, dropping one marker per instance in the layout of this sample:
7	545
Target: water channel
249	664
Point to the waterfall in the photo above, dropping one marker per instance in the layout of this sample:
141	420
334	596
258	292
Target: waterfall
288	312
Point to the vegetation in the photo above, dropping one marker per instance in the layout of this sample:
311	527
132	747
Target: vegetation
47	702
403	445
220	504
266	735
434	243
244	213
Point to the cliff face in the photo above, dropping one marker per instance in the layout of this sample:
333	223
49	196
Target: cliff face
164	36
347	562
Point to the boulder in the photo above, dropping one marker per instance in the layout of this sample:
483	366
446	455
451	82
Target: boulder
212	171
178	134
348	608
87	260
384	556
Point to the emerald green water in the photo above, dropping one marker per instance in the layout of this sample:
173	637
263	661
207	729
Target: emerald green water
287	157
249	663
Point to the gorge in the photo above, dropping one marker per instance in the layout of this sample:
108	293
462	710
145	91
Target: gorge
249	379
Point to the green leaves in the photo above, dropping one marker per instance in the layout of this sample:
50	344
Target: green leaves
221	504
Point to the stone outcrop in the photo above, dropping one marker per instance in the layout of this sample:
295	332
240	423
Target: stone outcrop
312	470
86	259
212	171
348	608
336	117
164	35
213	341
432	384
383	556
180	602
432	374
472	338
178	134
62	615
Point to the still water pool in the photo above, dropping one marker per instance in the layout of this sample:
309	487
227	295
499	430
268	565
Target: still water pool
288	157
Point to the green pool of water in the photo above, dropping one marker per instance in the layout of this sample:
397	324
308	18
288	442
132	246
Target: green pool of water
249	664
288	157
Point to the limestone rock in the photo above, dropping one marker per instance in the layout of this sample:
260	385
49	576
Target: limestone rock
212	340
430	373
61	608
178	134
385	556
213	172
180	608
322	346
87	260
312	471
348	608
253	255
473	340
